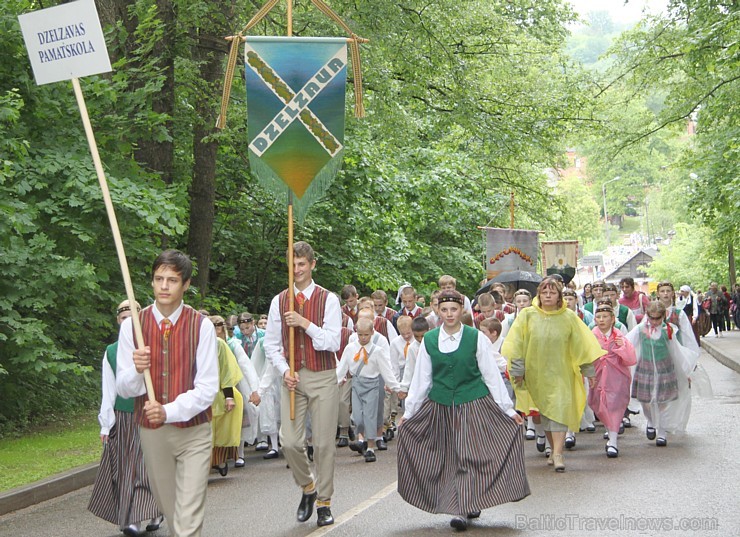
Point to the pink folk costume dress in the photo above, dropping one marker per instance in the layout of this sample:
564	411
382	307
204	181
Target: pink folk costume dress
611	395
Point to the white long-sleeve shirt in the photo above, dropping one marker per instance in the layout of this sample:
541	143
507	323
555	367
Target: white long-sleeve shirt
422	381
378	363
324	338
129	383
107	415
250	381
398	356
408	372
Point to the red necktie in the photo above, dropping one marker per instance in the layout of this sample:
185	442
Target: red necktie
166	327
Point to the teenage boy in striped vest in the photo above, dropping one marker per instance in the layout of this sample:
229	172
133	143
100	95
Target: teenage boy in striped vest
180	352
317	320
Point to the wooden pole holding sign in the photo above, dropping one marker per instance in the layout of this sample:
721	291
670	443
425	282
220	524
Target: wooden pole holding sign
114	228
291	298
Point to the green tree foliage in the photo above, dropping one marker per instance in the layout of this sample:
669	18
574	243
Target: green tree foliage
61	280
464	106
688	260
685	66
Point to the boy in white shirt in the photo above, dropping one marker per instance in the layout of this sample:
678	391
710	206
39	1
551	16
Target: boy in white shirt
366	361
400	348
419	327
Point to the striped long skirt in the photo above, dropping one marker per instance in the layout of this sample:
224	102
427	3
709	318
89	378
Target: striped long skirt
121	494
461	459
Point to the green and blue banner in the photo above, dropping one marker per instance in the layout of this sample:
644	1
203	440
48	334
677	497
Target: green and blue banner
295	113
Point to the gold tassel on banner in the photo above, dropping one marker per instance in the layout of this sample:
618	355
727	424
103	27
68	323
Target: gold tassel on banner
236	40
230	67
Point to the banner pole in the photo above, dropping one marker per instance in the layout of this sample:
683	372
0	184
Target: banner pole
114	228
291	298
291	302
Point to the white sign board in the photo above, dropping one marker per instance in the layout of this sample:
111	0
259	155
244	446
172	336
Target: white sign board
592	260
65	42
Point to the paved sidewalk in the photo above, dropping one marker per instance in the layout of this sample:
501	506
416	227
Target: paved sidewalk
725	350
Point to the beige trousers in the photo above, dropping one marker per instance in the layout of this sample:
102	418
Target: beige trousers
345	399
317	393
178	461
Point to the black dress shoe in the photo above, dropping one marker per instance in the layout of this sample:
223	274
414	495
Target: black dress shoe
155	523
223	470
360	446
459	523
661	442
305	508
272	454
474	514
650	433
570	442
381	445
343	441
325	518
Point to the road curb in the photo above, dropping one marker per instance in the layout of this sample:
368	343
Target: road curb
46	489
721	357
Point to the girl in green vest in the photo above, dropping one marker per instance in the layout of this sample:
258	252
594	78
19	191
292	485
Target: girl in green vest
460	444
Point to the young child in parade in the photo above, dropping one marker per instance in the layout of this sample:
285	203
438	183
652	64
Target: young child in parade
661	378
676	316
366	361
262	322
409	307
382	324
248	388
623	314
419	327
121	494
611	393
399	352
380	305
571	300
491	328
597	290
228	406
433	317
523	299
460	446
635	300
345	394
349	297
448	283
487	306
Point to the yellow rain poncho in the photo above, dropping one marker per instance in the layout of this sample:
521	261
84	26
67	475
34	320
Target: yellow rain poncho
227	427
553	345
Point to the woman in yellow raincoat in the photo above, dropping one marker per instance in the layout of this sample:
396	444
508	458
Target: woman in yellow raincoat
228	406
550	350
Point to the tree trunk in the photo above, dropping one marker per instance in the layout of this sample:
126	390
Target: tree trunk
203	188
731	261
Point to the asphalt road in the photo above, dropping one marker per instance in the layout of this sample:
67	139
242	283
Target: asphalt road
689	488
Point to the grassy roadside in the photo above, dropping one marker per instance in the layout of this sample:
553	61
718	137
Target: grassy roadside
48	450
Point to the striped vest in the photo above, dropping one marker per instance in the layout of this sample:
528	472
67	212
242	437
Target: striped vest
380	325
305	354
350	313
497	314
173	365
122	404
389	313
343	341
